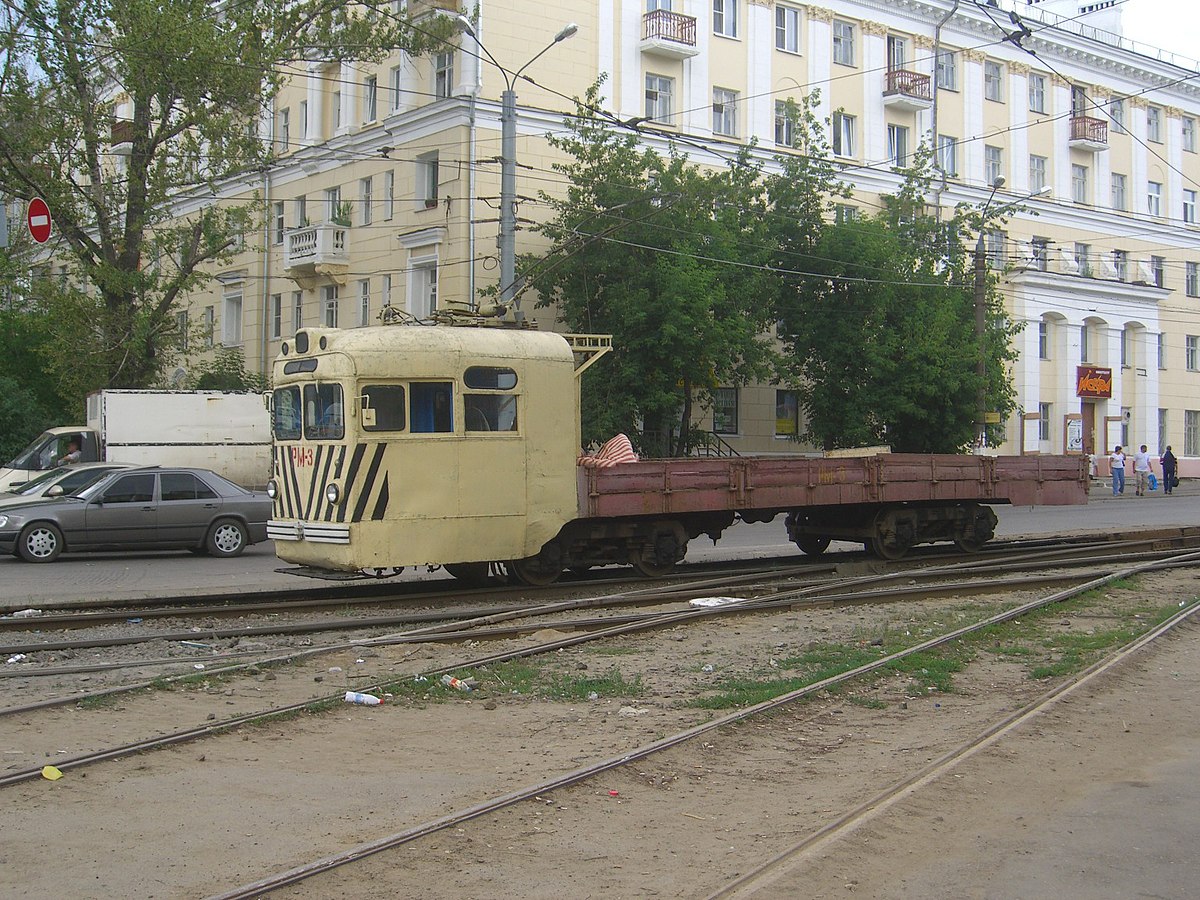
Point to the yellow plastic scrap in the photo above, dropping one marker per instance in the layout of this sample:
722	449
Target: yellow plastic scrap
50	773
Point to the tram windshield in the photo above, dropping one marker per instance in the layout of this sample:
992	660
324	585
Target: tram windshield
286	420
324	419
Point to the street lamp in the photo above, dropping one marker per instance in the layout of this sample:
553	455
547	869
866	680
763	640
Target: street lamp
508	164
980	294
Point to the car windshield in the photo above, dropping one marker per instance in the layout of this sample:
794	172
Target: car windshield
35	485
82	479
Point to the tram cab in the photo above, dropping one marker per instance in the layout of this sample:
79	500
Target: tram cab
412	445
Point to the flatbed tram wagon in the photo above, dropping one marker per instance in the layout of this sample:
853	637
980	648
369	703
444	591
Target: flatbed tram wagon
405	445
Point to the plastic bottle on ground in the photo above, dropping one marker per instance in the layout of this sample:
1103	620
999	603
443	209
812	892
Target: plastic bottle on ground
365	699
451	682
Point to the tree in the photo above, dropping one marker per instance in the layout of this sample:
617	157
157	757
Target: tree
879	329
117	113
665	256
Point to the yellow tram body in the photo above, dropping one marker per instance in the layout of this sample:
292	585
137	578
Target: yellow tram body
417	445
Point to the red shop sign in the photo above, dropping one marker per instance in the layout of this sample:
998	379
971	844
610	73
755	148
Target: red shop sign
1093	381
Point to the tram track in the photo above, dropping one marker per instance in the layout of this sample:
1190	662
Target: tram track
539	789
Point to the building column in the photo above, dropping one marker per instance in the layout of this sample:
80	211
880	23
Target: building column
759	108
1018	119
972	85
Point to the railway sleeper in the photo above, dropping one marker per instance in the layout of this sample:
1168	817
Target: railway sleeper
891	531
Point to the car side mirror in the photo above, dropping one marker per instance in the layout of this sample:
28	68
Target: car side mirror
55	490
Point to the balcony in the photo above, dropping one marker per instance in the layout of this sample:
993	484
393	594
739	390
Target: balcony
122	136
669	34
420	9
907	91
317	250
1088	133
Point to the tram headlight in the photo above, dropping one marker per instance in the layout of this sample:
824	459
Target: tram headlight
272	489
332	494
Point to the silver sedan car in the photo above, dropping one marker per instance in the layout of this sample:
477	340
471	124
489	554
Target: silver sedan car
57	482
150	508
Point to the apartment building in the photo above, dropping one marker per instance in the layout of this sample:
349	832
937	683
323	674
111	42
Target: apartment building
386	191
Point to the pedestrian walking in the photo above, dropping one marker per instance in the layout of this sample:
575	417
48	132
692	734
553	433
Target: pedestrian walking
1116	462
1170	466
1141	471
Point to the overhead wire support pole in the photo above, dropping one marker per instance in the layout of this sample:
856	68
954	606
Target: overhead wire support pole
507	244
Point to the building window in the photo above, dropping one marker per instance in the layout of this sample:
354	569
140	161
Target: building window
1162	430
1085	354
1191	432
1116	112
993	163
844	212
297	310
1083	253
1154	198
725	14
182	326
231	320
1119	200
843	43
947	155
1126	417
333	204
300	210
843	134
364	301
1157	269
1124	353
1037	92
329	305
898	145
1189	206
994	240
785	126
277	222
1037	173
283	130
366	199
427	179
1043	421
993	81
276	316
1191	279
724	108
370	92
725	410
209	326
389	195
303	119
1120	261
1191	352
1162	350
946	70
659	107
1043	339
385	291
1040	251
335	114
787	29
424	294
443	74
395	85
897	53
1154	124
1189	134
787	414
1079	183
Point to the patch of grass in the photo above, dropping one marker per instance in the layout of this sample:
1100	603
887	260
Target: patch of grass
98	701
868	702
611	684
932	669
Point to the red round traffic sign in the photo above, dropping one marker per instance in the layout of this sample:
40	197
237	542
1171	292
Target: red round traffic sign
39	220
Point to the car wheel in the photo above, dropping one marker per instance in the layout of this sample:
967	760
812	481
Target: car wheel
41	542
227	538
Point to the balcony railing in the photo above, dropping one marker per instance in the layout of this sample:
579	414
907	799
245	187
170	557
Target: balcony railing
1089	132
907	90
316	248
669	33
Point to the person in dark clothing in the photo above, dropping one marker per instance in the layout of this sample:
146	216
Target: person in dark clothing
1169	468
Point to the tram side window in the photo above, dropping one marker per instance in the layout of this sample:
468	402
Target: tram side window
287	414
383	407
431	407
490	412
323	416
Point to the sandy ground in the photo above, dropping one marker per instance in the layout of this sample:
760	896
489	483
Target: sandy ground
1038	814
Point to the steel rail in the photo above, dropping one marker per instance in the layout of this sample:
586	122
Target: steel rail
361	851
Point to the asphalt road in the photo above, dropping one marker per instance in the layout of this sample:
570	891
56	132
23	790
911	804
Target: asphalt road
97	576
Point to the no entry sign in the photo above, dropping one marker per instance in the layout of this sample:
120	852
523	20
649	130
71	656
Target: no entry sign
39	220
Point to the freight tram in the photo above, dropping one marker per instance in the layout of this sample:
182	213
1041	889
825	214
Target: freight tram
457	446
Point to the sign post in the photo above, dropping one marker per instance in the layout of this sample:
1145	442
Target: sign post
39	220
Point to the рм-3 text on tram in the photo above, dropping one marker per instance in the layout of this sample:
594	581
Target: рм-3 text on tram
457	446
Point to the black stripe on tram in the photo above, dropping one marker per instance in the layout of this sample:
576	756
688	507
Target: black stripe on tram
382	503
373	470
283	497
318	516
348	487
312	484
293	483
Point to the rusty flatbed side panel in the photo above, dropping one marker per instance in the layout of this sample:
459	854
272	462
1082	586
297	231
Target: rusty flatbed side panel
674	486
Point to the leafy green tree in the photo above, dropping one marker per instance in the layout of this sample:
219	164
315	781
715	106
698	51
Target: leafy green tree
668	258
117	113
226	371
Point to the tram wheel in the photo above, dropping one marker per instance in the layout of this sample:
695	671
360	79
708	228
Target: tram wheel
968	544
812	544
884	550
470	573
652	568
533	572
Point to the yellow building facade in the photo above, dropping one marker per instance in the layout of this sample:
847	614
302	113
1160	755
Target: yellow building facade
387	187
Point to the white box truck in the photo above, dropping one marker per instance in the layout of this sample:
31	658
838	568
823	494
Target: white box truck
225	431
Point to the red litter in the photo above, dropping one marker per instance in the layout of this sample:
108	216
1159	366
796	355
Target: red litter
614	793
